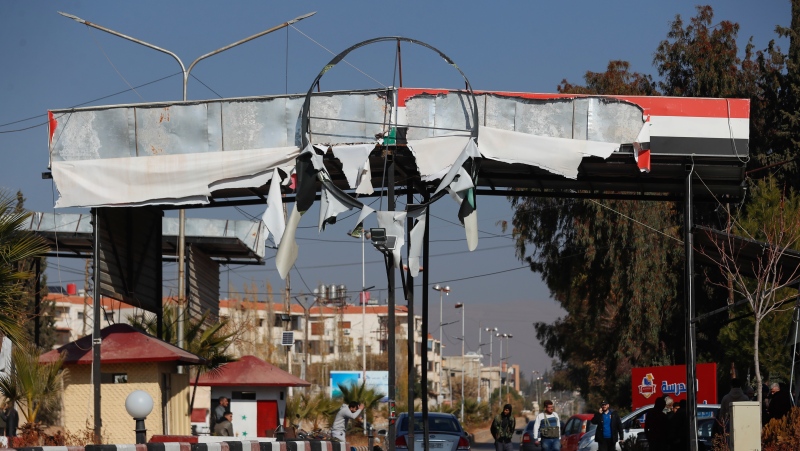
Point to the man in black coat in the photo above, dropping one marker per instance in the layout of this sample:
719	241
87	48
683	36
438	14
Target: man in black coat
609	428
11	417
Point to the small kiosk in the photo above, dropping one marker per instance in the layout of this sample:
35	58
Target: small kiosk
257	392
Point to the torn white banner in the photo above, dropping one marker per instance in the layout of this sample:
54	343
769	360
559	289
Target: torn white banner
146	180
365	211
329	207
353	159
435	155
417	238
287	253
560	156
470	151
273	216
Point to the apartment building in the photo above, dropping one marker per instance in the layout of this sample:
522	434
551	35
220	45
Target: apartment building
298	335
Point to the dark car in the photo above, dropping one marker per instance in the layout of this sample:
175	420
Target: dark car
526	442
705	433
444	432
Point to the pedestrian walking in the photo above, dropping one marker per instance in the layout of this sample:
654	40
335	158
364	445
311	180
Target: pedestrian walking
609	428
502	429
547	428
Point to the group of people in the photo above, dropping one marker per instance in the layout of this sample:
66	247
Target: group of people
776	401
222	420
666	425
547	428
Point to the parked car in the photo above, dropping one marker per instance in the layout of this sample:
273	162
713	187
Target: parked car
575	428
705	428
526	442
633	424
444	432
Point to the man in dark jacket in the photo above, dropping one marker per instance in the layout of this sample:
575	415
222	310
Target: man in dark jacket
11	417
502	430
609	428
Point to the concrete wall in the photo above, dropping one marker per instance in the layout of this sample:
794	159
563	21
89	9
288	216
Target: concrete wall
117	424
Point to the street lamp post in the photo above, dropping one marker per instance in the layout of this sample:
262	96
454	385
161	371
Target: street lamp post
500	398
503	360
181	212
463	366
491	335
442	290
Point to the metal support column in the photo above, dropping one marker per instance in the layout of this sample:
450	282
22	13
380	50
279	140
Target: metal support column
691	370
96	321
409	290
425	284
391	325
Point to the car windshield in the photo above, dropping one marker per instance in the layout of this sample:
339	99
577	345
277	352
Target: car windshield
435	424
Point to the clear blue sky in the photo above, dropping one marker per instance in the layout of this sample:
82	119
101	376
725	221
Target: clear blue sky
51	62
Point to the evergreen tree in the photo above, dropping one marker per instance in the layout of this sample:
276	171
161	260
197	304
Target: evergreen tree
617	266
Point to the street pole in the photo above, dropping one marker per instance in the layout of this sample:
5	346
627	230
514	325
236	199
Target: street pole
491	335
463	365
181	212
441	290
500	398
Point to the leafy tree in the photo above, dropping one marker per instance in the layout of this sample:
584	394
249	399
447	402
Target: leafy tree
700	59
16	245
617	79
774	218
610	274
205	340
35	387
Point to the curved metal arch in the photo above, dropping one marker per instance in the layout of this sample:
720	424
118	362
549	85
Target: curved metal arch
305	113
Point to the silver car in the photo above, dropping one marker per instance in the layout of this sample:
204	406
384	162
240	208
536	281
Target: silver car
632	424
444	432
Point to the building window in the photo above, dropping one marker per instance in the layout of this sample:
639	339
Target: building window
113	378
244	395
80	315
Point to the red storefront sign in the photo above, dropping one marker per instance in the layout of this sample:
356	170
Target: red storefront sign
648	383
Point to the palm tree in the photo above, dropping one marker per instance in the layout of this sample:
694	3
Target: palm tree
360	393
35	387
208	342
16	244
312	409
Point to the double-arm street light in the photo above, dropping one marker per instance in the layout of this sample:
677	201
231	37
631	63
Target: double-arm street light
181	212
492	331
502	361
442	290
463	366
538	396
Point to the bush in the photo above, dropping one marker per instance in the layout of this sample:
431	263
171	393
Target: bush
783	434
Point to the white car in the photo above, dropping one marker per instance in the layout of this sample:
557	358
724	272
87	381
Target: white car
632	425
